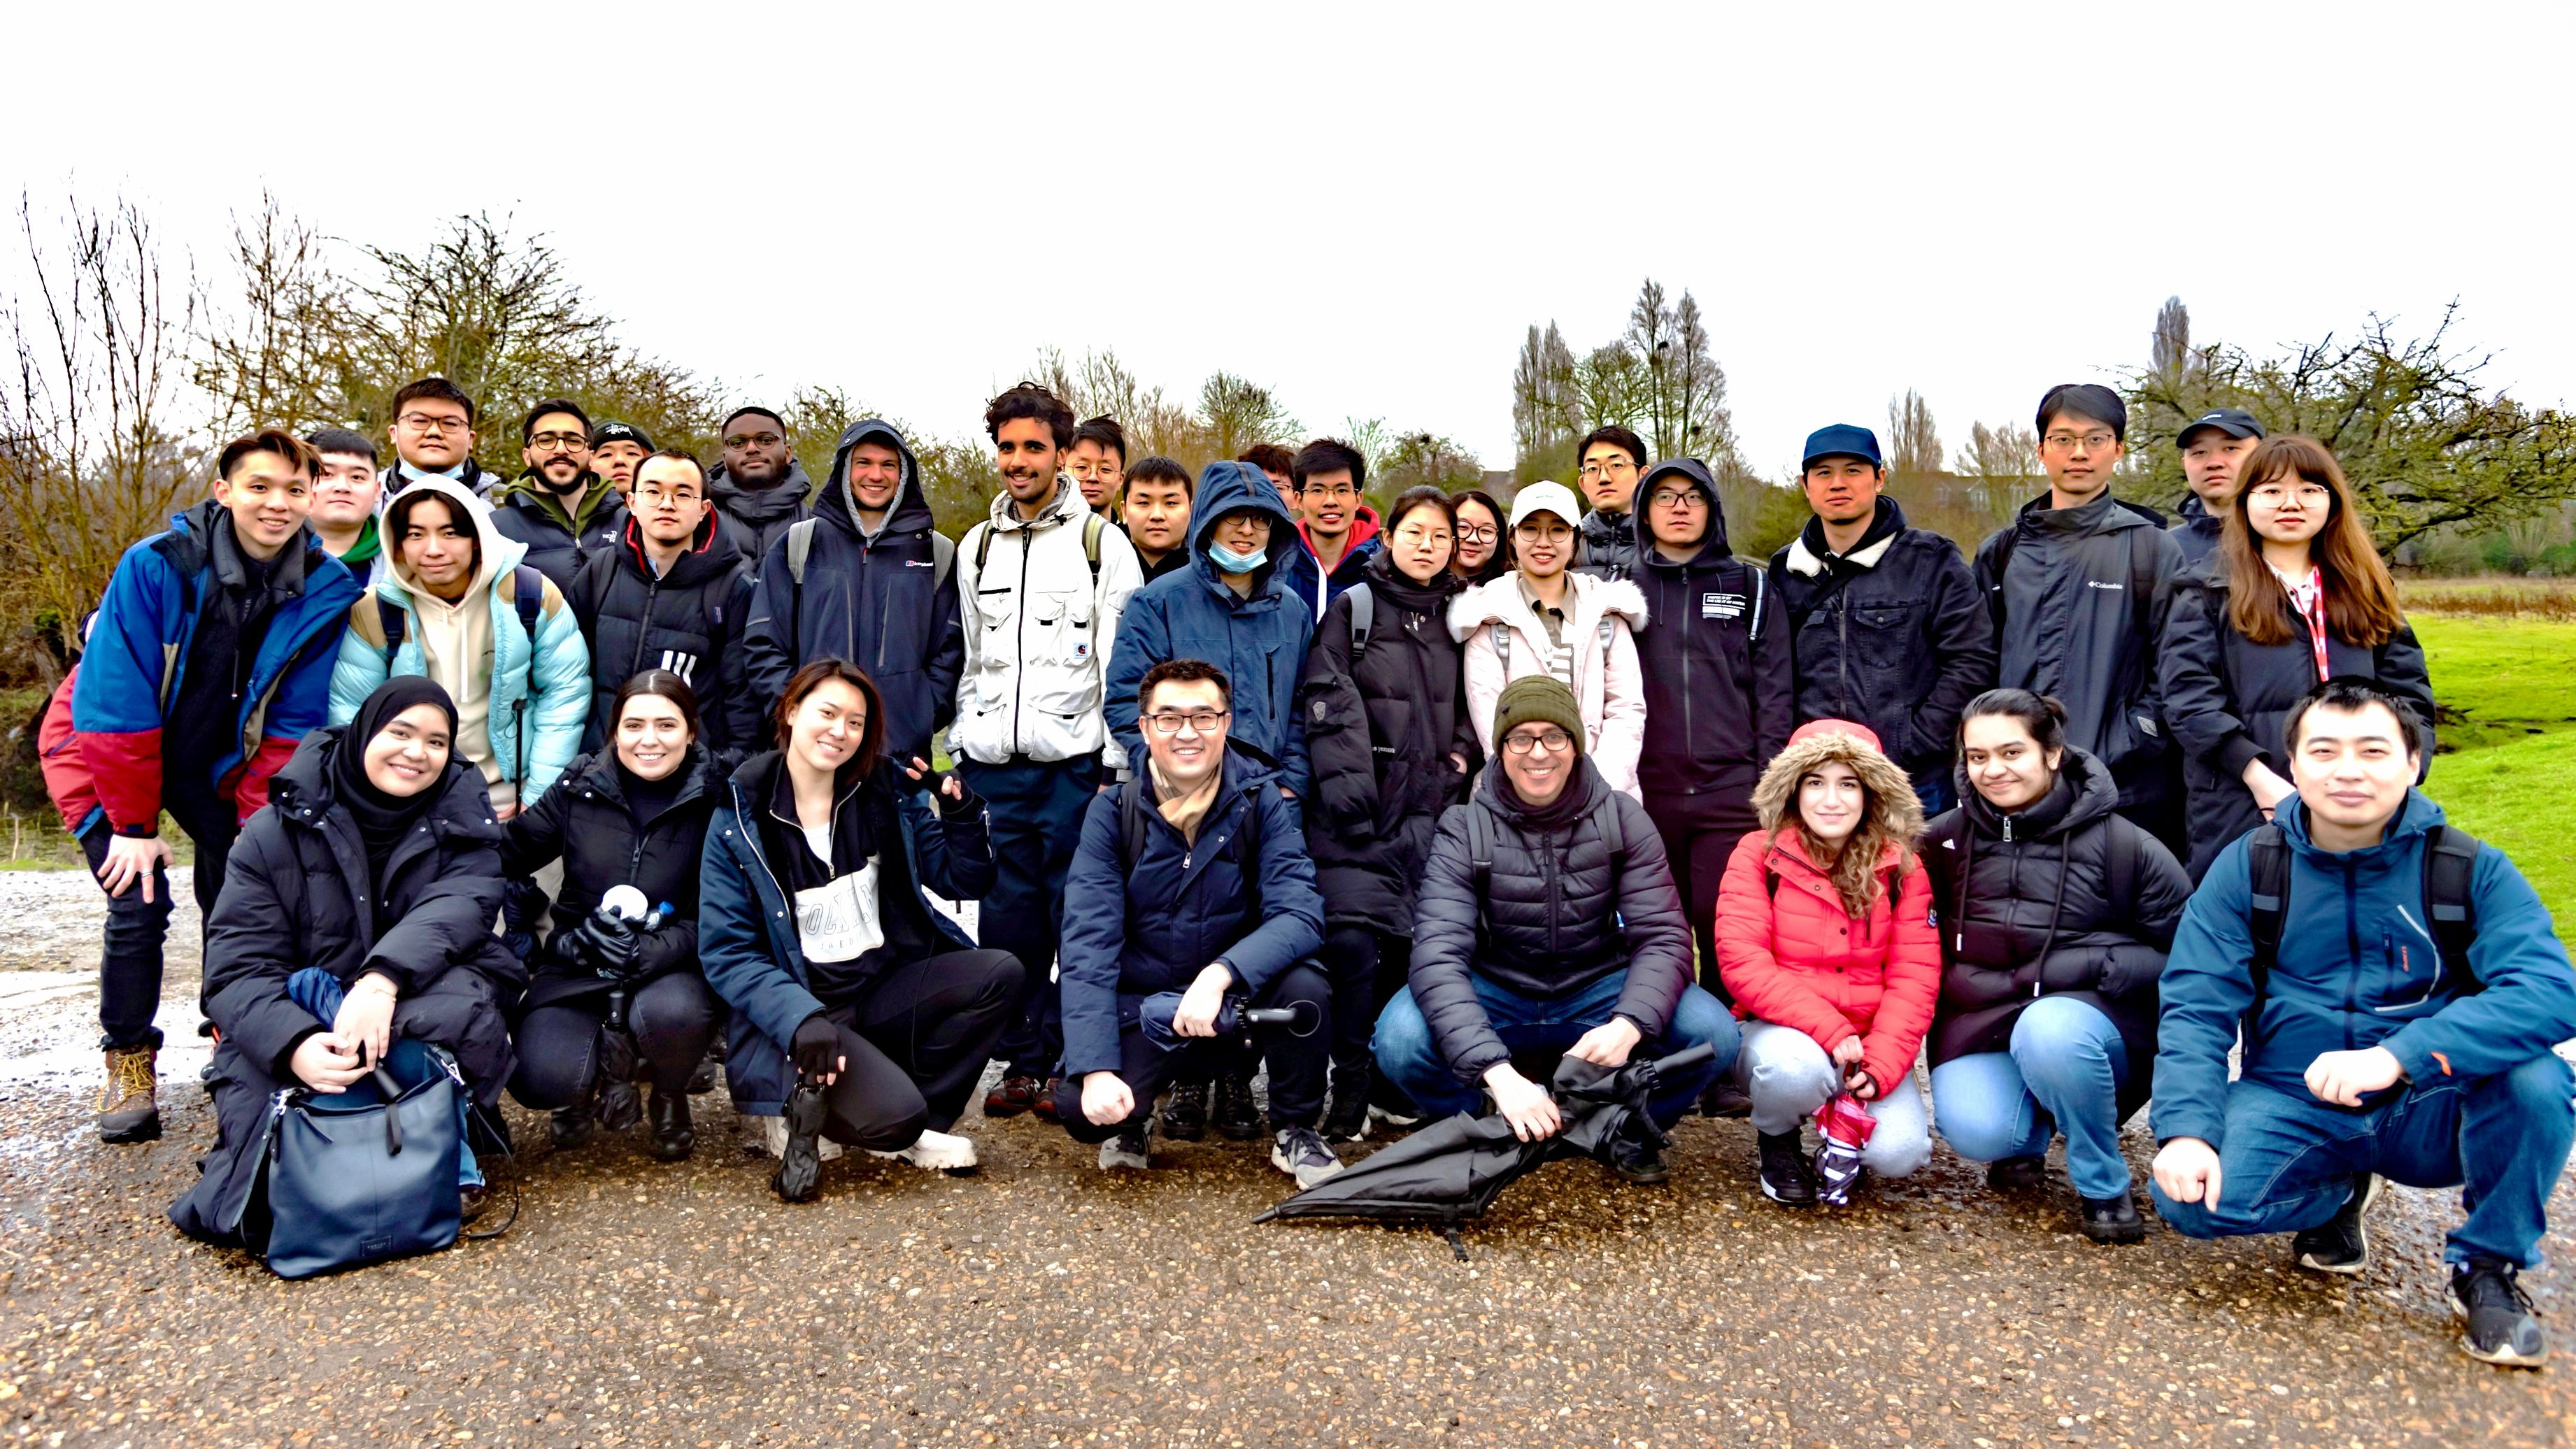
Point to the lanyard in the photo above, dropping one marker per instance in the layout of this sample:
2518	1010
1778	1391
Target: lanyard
2308	601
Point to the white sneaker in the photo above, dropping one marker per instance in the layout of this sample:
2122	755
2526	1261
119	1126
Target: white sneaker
937	1151
776	1140
1127	1150
1302	1153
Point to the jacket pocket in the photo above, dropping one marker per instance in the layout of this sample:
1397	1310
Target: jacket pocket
2409	971
1061	671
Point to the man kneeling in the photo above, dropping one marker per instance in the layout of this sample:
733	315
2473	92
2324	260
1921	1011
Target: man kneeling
1191	881
1547	921
2381	1040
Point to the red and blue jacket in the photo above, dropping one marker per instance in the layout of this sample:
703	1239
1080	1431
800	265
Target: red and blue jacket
130	674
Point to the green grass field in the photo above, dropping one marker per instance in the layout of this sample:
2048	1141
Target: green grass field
2507	688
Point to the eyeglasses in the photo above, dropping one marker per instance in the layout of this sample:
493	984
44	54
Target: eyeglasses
2065	442
2273	495
1416	533
559	442
1688	498
424	423
1548	740
1202	722
1486	534
1340	492
1604	470
753	440
658	495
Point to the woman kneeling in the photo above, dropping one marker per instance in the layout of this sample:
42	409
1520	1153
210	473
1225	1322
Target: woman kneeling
861	1014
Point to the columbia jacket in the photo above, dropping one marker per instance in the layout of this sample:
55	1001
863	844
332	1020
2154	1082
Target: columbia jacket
586	822
1610	545
1243	894
1792	953
1609	688
1042	628
747	941
2062	898
557	540
2356	969
2079	598
1259	641
690	621
540	686
1715	663
1894	634
874	600
130	675
2228	698
754	517
1380	729
1556	911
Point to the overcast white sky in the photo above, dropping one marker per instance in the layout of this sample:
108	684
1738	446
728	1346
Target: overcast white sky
1363	206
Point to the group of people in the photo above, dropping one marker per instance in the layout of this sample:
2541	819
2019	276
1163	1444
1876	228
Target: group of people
599	776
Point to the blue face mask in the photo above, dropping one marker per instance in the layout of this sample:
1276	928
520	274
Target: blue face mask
1228	561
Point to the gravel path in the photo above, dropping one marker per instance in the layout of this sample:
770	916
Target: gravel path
1039	1304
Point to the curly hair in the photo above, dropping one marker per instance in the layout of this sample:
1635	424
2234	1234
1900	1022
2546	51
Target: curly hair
1890	819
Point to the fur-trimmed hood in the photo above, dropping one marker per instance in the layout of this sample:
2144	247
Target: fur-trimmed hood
1893	809
1499	601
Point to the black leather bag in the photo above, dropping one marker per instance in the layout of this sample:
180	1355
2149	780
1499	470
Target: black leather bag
364	1176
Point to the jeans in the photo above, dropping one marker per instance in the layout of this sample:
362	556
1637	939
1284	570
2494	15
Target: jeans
320	992
1936	787
2287	1159
2063	1072
1297	1064
1789	1076
129	966
1037	809
1408	1055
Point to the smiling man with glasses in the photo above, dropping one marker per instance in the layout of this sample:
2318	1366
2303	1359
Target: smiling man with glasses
1340	532
433	437
2078	588
558	508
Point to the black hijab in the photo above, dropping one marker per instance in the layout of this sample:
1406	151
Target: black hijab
382	818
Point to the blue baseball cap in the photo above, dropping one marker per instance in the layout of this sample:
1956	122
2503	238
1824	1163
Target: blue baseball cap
1842	440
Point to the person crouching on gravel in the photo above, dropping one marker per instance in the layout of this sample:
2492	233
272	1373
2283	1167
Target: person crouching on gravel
2379	1039
862	1015
1192	878
1824	934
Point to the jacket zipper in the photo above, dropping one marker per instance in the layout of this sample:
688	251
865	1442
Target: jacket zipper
2352	949
1020	646
652	595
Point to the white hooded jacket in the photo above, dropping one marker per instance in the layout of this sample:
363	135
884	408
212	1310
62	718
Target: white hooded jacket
1608	689
1038	623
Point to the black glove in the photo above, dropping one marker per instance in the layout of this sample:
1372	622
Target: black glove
608	942
817	1048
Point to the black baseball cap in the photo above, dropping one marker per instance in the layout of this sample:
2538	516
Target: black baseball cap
620	433
2234	422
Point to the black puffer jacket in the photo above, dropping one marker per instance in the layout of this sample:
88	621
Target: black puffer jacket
752	518
2062	899
1715	656
689	621
1380	732
558	541
1893	634
2228	697
296	894
1610	548
1553	915
585	820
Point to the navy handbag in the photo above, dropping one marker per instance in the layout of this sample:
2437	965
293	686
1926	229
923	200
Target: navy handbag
362	1176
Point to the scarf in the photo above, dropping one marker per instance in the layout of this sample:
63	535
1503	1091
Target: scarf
383	818
1184	809
366	548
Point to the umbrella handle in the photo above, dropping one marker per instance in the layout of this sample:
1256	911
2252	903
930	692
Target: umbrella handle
1686	1057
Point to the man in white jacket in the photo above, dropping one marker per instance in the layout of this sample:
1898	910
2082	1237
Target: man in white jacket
1040	586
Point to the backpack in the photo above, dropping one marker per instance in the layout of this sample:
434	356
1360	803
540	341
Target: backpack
2450	866
1093	525
2142	574
943	555
1480	834
1363	618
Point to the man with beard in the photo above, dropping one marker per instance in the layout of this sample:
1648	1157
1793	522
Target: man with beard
559	508
433	437
615	451
759	488
1041	584
1099	463
670	594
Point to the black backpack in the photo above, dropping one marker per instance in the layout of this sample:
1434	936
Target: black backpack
2450	867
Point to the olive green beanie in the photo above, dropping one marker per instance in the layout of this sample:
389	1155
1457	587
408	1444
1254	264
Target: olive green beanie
1537	699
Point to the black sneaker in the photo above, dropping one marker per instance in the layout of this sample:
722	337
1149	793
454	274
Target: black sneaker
2113	1220
800	1160
2342	1243
1300	1152
2017	1174
702	1077
1348	1118
1786	1177
568	1127
1725	1099
1237	1116
1639	1162
2502	1329
1130	1149
1185	1116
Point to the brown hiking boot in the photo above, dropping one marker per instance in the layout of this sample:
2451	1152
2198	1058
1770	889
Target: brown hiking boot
128	1108
1014	1096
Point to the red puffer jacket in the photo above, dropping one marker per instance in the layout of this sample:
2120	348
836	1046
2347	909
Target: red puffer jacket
1797	959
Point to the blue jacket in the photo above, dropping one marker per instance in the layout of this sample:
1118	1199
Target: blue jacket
130	671
1133	928
2356	970
1260	641
747	940
876	601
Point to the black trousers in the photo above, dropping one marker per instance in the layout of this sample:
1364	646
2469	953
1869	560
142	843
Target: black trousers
1698	856
129	964
1298	1065
915	1043
671	1018
1365	968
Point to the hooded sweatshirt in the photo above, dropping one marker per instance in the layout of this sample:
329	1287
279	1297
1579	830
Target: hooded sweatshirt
1601	616
871	597
754	517
689	619
1716	667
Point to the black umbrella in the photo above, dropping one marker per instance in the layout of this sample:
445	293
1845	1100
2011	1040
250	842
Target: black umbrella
1451	1171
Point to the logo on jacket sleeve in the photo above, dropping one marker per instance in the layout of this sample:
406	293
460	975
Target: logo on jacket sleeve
1721	606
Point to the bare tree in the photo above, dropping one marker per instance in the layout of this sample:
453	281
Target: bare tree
279	360
2008	453
1547	411
1612	387
2170	352
1238	413
1913	443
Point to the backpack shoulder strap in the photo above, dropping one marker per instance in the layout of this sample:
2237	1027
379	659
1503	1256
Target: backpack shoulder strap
943	561
1480	840
394	622
528	594
1092	525
2003	565
1363	618
1503	647
800	545
983	543
2267	860
2120	863
1614	827
1761	581
1131	824
2450	868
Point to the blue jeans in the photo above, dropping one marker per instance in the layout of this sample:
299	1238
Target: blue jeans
1936	788
320	992
2062	1074
2288	1157
1037	809
1410	1058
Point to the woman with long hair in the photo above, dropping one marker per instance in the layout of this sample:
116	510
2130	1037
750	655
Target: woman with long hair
2295	595
862	1014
